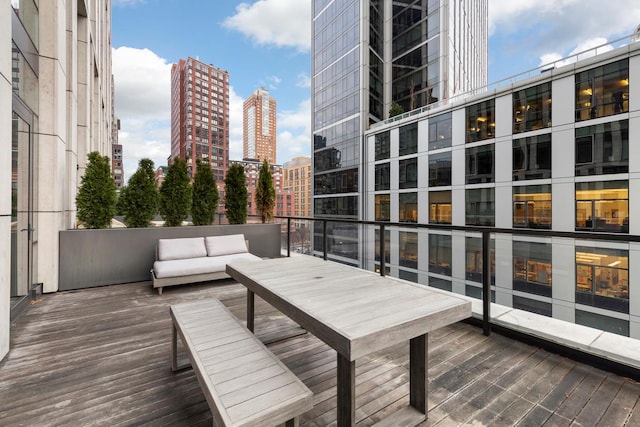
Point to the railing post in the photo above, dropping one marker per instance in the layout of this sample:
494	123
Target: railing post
288	237
486	282
383	249
324	239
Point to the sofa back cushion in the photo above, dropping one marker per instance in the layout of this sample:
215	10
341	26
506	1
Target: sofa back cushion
226	245
192	247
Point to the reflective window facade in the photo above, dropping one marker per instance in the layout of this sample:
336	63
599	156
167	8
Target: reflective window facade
440	207
408	249
382	146
480	207
440	254
408	139
440	131
383	176
473	263
408	207
532	157
602	278
532	108
440	169
387	245
532	267
532	206
408	173
602	91
602	206
481	121
602	149
382	207
480	164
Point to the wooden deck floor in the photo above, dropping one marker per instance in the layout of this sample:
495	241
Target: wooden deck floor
101	357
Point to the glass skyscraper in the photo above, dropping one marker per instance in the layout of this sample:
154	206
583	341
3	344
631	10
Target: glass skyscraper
366	56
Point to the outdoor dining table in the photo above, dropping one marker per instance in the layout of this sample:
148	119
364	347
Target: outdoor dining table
356	312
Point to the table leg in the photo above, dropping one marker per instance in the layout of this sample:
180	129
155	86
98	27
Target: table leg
346	392
250	310
174	347
418	373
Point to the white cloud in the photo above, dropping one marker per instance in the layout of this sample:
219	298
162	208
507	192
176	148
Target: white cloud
303	81
283	23
271	82
559	25
294	136
143	105
125	3
582	51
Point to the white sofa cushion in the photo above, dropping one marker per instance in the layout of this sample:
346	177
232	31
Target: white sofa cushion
225	245
185	248
202	265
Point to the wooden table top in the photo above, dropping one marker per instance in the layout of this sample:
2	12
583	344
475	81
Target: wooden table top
355	311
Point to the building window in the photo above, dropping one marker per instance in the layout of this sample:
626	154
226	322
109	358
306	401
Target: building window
408	249
532	206
480	207
440	254
440	207
532	267
440	131
602	91
383	173
408	207
533	306
440	169
603	323
602	206
383	207
481	121
532	108
387	246
438	283
602	278
602	149
473	264
408	139
480	164
382	146
532	157
408	173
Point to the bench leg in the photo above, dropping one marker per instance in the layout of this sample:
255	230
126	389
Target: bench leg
418	373
251	304
293	422
346	392
160	290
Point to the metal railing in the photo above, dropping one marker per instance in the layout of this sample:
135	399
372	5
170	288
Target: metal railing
485	232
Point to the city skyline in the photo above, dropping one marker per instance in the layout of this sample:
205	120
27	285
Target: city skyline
522	36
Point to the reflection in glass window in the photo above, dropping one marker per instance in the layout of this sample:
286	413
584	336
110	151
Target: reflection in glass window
532	206
408	173
480	164
440	254
383	174
440	207
480	121
408	249
473	254
408	139
532	267
533	306
480	207
602	278
532	108
602	149
344	181
439	283
440	169
602	91
387	246
532	157
408	207
383	207
382	145
346	206
440	131
602	206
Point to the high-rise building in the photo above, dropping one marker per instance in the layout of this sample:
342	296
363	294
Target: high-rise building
297	178
412	53
55	107
200	115
259	127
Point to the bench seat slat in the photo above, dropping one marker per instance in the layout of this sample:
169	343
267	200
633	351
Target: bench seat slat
243	382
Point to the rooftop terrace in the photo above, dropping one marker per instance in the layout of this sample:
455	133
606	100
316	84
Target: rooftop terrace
101	356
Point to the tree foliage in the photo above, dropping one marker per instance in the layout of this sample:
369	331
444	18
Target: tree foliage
395	110
96	198
235	195
175	194
138	201
265	193
204	203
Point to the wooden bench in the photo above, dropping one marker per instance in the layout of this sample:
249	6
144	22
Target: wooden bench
244	383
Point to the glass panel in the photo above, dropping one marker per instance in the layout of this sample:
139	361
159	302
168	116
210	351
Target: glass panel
602	278
532	158
383	207
440	131
382	146
602	149
602	91
408	249
480	121
440	169
408	207
387	246
440	254
383	176
532	108
408	173
440	207
480	164
408	139
532	206
602	206
480	209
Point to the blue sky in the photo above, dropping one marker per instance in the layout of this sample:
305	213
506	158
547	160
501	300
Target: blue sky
265	43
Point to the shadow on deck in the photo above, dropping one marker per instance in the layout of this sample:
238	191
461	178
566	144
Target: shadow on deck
102	357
